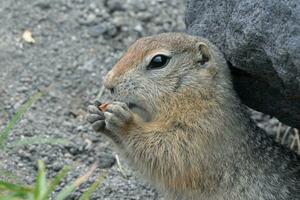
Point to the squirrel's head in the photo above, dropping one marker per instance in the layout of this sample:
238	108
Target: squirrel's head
161	71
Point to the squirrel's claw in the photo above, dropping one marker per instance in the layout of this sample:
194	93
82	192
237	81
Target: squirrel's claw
96	118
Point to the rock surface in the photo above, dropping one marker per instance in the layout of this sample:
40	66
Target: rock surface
261	42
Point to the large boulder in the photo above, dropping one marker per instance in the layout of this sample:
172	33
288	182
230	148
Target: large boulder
261	42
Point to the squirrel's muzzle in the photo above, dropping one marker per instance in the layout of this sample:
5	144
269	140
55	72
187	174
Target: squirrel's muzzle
109	81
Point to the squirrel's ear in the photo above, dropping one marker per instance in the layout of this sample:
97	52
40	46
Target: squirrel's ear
204	55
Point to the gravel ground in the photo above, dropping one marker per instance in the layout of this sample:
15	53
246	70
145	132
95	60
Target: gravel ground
76	43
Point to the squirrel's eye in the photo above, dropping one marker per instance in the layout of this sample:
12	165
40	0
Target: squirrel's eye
158	62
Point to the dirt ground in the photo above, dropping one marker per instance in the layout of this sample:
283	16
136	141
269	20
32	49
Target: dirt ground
76	43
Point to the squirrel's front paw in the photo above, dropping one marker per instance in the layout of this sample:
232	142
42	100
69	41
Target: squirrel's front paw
118	117
113	121
96	117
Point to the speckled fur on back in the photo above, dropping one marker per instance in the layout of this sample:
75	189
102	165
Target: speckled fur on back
198	141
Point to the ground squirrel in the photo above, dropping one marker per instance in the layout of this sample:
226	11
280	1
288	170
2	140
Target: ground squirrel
176	118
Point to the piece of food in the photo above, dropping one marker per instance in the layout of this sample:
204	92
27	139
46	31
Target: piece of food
103	107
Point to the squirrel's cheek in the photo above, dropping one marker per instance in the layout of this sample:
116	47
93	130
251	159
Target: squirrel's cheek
140	113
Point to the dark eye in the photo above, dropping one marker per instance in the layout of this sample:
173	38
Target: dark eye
158	62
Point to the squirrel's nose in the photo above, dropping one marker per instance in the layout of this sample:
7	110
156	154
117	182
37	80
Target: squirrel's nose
109	81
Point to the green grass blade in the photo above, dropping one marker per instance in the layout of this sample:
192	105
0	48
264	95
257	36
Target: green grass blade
66	191
14	120
56	180
11	191
17	196
38	140
40	188
5	186
87	194
11	197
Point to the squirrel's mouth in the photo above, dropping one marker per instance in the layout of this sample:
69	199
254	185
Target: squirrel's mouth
138	107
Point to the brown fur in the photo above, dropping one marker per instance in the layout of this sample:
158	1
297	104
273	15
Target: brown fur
198	142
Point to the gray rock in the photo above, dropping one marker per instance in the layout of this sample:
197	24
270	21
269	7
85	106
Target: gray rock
106	160
115	5
107	29
97	30
112	30
57	166
43	5
261	42
87	19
